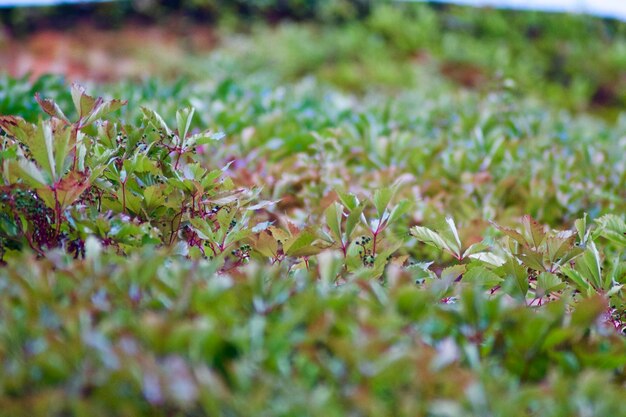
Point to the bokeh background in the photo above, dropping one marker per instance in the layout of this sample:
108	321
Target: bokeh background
575	61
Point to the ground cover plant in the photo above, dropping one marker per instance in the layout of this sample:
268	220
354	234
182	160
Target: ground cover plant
260	244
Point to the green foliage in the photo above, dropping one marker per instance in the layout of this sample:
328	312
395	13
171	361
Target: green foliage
242	246
402	44
573	61
165	334
151	268
91	173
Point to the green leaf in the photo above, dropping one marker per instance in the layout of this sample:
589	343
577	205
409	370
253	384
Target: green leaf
421	270
381	199
26	171
301	244
513	234
516	278
262	204
266	245
153	196
203	229
259	227
204	138
581	228
350	201
531	258
133	202
451	273
44	155
454	245
429	237
399	210
533	231
61	149
155	120
560	248
588	310
91	109
48	143
225	216
334	215
50	107
488	257
18	128
589	265
548	283
617	272
613	228
353	219
183	121
141	163
70	187
83	103
235	235
475	249
614	290
481	276
578	279
102	109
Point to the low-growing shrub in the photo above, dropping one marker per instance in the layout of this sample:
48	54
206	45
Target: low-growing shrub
141	277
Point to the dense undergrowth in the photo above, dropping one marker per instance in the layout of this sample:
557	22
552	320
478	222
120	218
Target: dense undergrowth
188	270
248	245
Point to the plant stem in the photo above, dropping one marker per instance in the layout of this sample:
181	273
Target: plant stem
124	197
74	135
180	213
180	152
57	213
374	244
375	237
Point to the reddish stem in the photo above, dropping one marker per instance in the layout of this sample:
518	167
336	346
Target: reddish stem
180	152
124	197
375	237
32	244
212	247
374	244
73	137
57	212
180	213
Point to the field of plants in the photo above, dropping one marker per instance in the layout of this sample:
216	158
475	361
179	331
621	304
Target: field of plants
342	209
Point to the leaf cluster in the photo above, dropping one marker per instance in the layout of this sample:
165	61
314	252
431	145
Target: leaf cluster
154	268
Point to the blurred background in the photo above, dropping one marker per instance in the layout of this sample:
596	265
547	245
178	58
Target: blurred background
574	61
